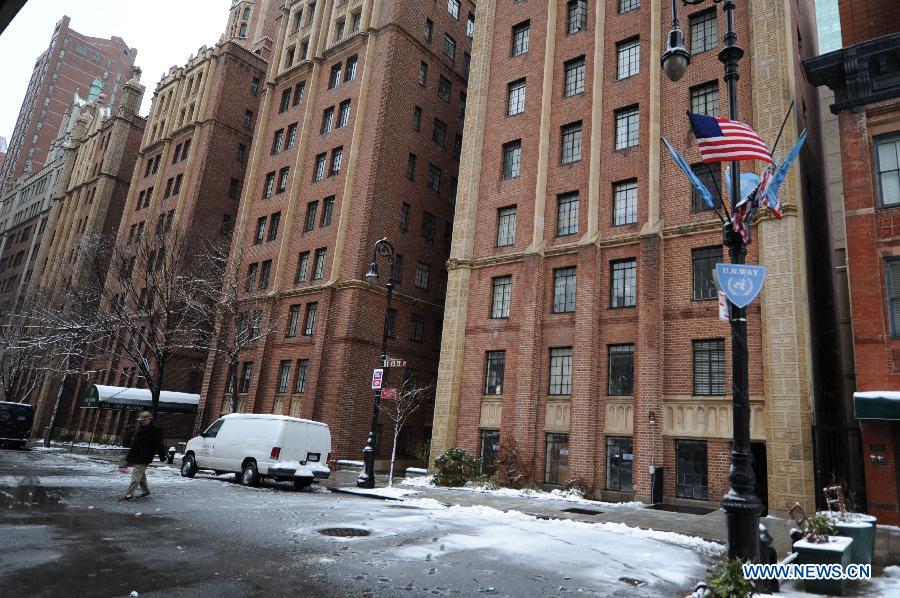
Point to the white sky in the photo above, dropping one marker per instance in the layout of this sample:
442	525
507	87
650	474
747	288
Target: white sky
161	39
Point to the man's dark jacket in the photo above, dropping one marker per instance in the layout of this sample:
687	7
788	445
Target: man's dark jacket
148	441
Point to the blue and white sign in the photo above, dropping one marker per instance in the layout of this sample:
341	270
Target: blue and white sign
740	283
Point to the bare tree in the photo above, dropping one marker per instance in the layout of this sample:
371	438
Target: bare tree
238	311
410	396
22	355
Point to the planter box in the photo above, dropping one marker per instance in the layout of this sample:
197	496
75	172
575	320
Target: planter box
861	528
836	551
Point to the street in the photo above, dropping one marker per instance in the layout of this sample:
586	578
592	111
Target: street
66	534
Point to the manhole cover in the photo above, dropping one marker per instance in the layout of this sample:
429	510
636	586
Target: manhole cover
582	511
633	582
344	532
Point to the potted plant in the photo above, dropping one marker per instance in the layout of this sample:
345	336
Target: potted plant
822	546
859	526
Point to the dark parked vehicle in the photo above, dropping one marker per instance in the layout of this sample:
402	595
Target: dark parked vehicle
15	423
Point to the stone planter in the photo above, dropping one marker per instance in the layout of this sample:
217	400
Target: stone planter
861	528
834	552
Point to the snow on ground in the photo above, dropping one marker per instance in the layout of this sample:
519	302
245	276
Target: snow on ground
566	495
887	584
393	492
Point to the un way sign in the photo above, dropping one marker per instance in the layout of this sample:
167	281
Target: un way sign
740	283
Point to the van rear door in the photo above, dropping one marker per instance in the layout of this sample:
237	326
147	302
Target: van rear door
294	441
319	444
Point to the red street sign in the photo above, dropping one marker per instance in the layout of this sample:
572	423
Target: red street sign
388	393
377	376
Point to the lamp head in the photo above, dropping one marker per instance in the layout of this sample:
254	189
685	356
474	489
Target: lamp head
676	58
372	274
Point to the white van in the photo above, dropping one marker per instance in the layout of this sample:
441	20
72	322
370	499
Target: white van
255	446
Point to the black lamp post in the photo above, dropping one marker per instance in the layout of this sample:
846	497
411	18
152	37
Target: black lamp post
383	248
741	505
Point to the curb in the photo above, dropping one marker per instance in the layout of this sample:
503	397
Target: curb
363	494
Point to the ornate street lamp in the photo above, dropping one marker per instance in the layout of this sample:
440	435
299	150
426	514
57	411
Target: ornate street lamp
741	505
383	248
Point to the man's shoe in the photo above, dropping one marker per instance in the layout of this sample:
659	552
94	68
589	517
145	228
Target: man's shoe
126	497
143	494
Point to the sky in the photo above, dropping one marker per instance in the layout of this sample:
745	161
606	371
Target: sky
161	40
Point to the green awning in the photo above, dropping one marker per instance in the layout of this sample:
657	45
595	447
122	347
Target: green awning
877	404
138	399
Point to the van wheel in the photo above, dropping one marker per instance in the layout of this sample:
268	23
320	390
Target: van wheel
249	474
188	466
302	483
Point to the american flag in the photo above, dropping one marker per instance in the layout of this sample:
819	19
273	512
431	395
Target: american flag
723	140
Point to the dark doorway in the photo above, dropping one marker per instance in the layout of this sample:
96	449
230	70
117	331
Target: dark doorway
690	469
760	471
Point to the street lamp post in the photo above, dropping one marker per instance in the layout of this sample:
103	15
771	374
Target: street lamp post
741	505
383	248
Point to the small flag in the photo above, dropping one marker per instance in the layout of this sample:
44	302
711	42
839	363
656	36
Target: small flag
723	140
747	204
773	178
695	181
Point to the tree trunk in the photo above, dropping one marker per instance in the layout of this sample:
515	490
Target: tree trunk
234	390
393	457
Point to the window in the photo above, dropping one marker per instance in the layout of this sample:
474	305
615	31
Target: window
556	466
423	73
283	179
185	150
417	118
619	461
285	100
709	367
234	189
502	289
628	56
310	323
327	120
467	64
291	136
888	158
449	47
260	230
623	283
334	77
293	319
571	143
625	203
516	104
344	114
422	272
567	214
457	148
298	92
493	379
626	127
704	261
327	210
356	19
561	371
704	31
302	369
254	86
453	8
429	222
711	176
264	272
319	172
705	99
520	38
337	155
269	187
350	69
251	276
444	88
626	5
439	132
241	153
574	76
417	328
577	16
429	30
564	290
319	267
284	374
404	217
248	118
506	226
246	374
311	209
490	446
690	469
339	29
512	159
892	274
302	267
461	107
168	190
434	178
176	153
278	141
621	370
411	167
274	221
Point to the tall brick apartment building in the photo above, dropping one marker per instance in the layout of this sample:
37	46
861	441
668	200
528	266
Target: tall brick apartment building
359	137
864	77
69	65
581	319
184	185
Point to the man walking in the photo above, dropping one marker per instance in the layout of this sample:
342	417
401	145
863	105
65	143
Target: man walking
148	441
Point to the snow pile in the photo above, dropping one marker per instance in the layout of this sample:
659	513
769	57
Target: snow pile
567	495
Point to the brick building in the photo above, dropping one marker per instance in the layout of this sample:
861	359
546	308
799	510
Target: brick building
863	76
358	138
183	187
581	319
70	64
